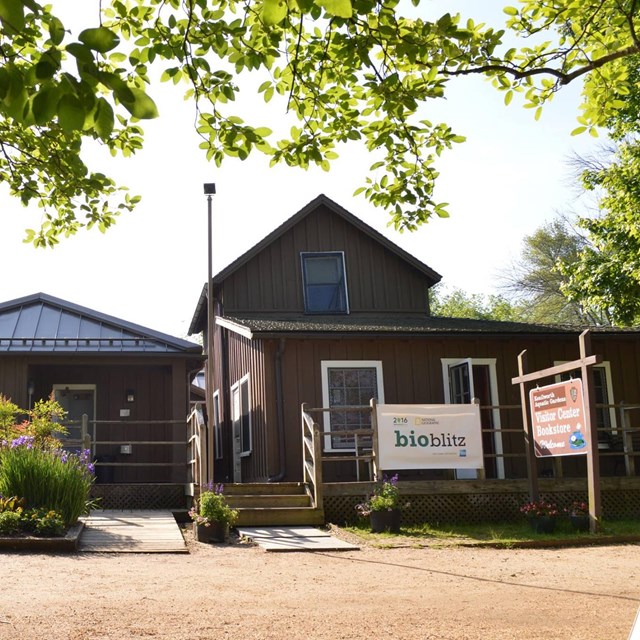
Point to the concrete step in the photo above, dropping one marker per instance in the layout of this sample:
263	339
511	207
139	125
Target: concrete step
264	488
257	517
267	501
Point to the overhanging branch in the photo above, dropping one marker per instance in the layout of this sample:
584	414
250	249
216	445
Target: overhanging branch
563	77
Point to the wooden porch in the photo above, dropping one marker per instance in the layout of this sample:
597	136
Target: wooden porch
444	499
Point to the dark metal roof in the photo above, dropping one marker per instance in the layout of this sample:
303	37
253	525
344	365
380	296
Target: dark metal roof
43	324
381	324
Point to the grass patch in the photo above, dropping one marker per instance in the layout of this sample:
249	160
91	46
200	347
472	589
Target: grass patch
505	533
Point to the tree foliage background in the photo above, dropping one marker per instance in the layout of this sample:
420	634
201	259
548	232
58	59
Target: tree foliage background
349	70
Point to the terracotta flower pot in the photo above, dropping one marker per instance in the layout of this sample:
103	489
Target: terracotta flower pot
214	532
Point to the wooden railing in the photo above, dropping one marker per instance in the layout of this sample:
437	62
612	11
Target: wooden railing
621	441
361	452
196	451
311	458
86	434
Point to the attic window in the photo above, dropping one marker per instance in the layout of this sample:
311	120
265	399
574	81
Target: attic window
324	282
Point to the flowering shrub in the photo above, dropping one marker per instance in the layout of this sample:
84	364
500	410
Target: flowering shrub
578	508
49	485
47	479
539	509
212	507
386	497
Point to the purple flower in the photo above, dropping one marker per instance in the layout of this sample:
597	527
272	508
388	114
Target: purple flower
22	441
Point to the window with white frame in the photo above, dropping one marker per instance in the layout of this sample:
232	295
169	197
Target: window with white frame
241	414
349	383
603	390
217	427
324	282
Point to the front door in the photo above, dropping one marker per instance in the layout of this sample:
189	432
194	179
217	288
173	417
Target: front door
76	400
471	379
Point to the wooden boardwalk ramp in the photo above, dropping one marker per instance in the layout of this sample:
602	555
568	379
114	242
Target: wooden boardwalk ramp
111	531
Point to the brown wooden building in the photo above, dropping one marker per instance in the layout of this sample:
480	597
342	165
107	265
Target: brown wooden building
327	311
132	382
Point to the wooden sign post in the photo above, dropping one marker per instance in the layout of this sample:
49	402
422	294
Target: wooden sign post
584	364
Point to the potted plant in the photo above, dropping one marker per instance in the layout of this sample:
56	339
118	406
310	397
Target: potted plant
212	516
383	507
578	514
541	515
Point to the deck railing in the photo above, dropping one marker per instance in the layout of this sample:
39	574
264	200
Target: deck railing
311	458
88	434
620	441
360	453
196	450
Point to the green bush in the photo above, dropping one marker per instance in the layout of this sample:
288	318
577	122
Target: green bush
46	479
10	522
43	522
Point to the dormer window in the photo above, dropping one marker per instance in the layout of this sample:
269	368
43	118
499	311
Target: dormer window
324	282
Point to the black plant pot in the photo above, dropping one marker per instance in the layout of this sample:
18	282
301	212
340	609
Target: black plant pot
382	521
215	532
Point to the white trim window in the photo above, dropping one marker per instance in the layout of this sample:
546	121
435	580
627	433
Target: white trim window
241	415
605	415
217	427
349	383
324	282
460	378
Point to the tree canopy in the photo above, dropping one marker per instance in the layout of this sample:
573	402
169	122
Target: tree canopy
348	70
536	282
605	275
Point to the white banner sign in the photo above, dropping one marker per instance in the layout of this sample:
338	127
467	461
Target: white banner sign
429	436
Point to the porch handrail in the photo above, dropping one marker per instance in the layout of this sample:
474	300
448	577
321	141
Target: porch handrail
615	440
196	445
312	458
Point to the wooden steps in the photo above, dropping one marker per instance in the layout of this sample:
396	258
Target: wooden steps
270	504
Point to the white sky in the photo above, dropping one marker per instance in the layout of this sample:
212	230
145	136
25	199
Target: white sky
503	183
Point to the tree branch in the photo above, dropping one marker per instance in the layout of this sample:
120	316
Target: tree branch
564	78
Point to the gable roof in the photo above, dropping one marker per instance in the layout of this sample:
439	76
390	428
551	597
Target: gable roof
44	324
343	213
197	323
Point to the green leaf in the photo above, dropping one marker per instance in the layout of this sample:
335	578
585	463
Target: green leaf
511	11
80	52
104	119
44	105
12	16
100	39
338	8
56	30
274	11
70	113
138	104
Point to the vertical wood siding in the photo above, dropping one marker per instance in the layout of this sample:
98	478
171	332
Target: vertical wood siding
158	388
248	357
412	373
377	279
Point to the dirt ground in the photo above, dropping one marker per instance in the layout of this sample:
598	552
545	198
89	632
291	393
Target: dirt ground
242	592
